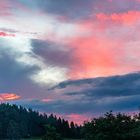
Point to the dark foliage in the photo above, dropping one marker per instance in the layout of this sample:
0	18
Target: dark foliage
18	122
51	134
113	127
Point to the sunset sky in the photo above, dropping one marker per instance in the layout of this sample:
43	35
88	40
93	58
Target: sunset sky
74	58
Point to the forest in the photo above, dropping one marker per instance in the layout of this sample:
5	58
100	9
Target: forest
17	123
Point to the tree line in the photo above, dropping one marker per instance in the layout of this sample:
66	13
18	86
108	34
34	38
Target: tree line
113	127
18	122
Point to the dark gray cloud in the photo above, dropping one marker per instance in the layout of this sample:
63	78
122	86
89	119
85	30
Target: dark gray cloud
109	87
119	81
52	53
117	93
103	93
72	8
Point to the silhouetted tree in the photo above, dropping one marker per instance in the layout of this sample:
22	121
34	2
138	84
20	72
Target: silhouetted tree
112	127
13	131
18	121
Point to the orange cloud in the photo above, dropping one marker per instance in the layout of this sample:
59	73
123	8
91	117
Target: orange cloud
8	96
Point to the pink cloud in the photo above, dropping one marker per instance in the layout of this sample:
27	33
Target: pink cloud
110	43
4	34
77	118
47	100
127	18
137	0
8	96
5	8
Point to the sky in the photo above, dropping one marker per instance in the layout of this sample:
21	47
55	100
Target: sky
74	58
